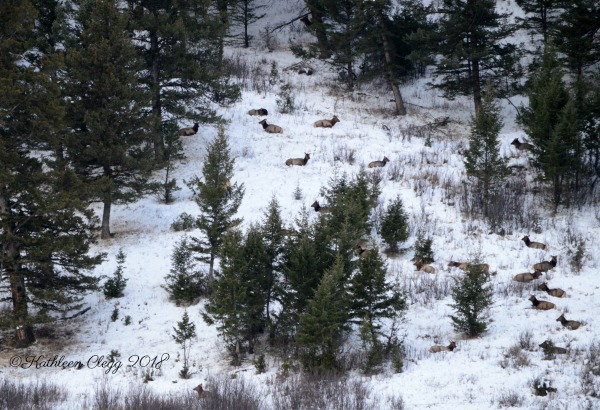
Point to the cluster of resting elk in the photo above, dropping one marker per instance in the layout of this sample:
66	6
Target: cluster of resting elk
538	269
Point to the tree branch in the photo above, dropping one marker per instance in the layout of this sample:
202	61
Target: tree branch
290	22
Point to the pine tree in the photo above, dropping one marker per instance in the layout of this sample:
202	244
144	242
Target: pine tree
472	41
182	47
183	335
394	226
322	327
423	251
185	282
107	147
217	199
245	13
45	228
113	288
485	167
541	17
473	296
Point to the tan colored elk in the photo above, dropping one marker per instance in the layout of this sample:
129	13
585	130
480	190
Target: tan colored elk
201	392
484	267
569	324
271	128
258	111
437	348
186	132
326	123
527	277
545	266
549	348
534	245
541	304
298	161
361	251
522	146
556	292
422	267
375	164
319	208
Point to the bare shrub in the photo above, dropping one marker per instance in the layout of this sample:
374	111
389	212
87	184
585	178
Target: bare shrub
231	394
590	371
526	340
27	396
518	289
576	250
396	172
510	399
515	357
345	153
425	290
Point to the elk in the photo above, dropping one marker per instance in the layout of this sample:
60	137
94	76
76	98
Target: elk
534	245
545	266
201	392
186	132
326	123
258	111
541	304
376	164
361	251
421	267
437	349
557	292
527	277
569	324
319	208
521	146
298	161
270	128
306	20
484	267
549	348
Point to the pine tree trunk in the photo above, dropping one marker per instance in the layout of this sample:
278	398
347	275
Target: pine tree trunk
476	82
320	32
106	219
159	144
400	108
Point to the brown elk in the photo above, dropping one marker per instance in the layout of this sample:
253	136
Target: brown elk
361	251
541	304
306	20
186	132
549	348
534	245
298	161
319	208
326	123
258	111
556	292
201	392
484	267
521	146
437	349
545	266
527	277
569	324
375	164
422	267
271	128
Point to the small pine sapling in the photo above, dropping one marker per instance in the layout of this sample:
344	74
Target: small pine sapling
184	333
113	288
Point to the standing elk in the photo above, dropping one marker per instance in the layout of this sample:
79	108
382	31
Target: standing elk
319	208
437	349
375	164
326	123
271	128
541	304
201	392
186	132
522	146
556	292
298	161
534	245
569	324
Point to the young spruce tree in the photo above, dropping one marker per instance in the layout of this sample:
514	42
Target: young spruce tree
394	226
186	282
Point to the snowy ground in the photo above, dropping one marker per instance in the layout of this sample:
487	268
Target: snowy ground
472	377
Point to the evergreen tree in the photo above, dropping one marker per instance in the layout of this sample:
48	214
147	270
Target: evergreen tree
185	282
541	16
45	228
473	296
321	328
423	251
183	335
182	47
472	43
485	167
113	288
217	199
394	226
549	123
245	13
107	146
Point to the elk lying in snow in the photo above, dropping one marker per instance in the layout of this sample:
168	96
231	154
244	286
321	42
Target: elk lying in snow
186	132
376	164
557	292
484	267
421	267
270	128
326	123
534	245
201	392
527	277
361	251
569	324
521	146
258	111
549	348
319	208
298	161
437	349
545	266
541	304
